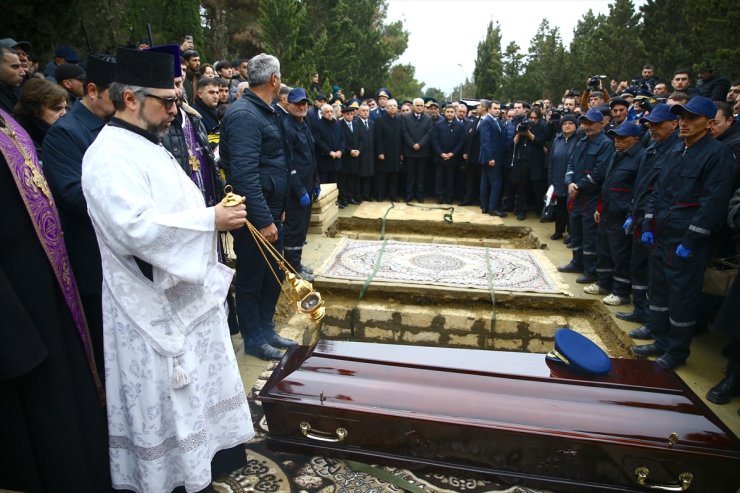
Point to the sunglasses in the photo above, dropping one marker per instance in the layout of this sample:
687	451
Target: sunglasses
168	103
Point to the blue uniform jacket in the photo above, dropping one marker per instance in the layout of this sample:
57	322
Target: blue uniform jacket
619	182
587	167
255	158
304	168
64	146
650	166
689	203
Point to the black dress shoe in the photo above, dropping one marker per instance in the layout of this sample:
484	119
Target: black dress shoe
265	352
728	388
647	350
354	202
275	340
521	216
586	279
556	236
440	202
641	332
341	205
421	201
571	268
668	362
630	317
484	211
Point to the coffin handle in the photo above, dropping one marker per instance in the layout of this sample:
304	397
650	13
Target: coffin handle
323	436
684	481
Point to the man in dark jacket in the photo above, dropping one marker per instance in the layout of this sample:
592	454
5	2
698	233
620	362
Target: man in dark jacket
584	177
472	170
683	215
206	103
448	141
492	152
255	159
714	87
329	146
64	146
367	152
613	246
416	128
11	77
304	180
388	151
349	180
664	138
727	130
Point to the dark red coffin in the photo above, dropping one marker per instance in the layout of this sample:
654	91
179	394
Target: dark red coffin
513	416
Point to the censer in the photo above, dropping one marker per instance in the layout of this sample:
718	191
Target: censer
307	300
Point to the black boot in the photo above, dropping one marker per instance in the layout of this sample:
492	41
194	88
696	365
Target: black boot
728	388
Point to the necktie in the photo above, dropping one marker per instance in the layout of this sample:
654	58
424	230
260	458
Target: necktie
364	122
350	127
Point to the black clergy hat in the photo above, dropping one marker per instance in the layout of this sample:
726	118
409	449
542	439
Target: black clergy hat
101	69
173	50
144	68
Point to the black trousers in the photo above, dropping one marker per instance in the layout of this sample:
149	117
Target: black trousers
472	183
445	176
386	185
613	249
295	230
583	235
639	274
257	291
561	215
416	168
366	184
349	187
675	295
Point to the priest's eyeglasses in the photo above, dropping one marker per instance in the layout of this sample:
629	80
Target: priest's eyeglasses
168	103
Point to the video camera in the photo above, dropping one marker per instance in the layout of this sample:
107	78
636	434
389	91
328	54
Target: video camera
595	81
523	127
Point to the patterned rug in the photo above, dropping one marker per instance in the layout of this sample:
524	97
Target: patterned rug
268	471
444	265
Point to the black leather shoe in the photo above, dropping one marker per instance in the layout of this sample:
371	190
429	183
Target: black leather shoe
421	201
353	202
630	317
728	388
571	268
265	352
556	236
484	211
641	332
586	279
668	362
498	213
341	205
647	350
275	340
521	216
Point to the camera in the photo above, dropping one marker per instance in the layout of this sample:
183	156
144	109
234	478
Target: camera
572	93
556	113
523	127
595	81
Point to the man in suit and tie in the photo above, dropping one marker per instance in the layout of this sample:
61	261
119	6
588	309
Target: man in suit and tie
491	157
416	130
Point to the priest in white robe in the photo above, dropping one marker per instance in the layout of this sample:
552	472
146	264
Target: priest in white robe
174	394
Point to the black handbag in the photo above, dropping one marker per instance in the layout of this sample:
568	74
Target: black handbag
548	209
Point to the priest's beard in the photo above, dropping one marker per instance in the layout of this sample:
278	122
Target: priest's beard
158	129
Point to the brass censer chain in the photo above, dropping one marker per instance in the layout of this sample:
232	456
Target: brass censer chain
301	292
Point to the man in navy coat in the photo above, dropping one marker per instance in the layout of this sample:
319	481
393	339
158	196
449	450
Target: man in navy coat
448	144
491	157
64	146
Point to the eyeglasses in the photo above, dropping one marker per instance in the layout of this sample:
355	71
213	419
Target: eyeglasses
168	103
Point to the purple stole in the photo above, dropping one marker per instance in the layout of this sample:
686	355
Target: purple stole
200	170
20	154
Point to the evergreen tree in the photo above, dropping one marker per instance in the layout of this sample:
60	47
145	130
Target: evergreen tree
403	84
546	73
513	62
670	48
488	63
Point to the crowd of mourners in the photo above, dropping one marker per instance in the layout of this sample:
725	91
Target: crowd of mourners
641	180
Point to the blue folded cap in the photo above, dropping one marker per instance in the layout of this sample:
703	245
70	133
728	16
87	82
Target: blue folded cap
698	105
627	129
592	115
661	113
298	94
579	354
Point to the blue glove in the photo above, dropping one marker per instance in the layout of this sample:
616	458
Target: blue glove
305	200
682	251
627	226
316	192
647	238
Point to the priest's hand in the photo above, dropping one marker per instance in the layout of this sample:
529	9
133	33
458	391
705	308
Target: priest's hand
270	233
228	218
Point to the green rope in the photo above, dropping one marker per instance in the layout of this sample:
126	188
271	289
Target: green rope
384	475
489	277
447	217
363	290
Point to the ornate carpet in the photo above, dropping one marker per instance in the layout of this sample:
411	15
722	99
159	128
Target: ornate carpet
444	265
269	471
